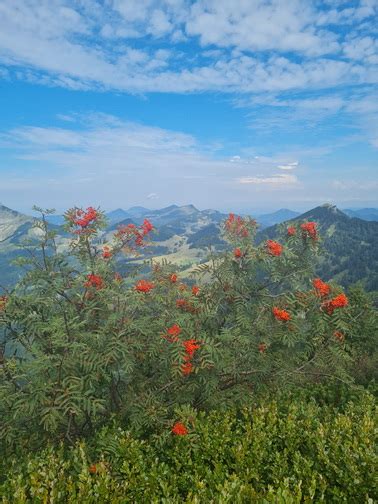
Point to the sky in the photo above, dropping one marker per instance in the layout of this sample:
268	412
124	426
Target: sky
243	105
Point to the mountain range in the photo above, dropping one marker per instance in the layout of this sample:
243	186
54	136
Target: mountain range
264	220
184	234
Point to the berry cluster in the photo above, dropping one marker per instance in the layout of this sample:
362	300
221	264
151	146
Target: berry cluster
274	248
280	314
94	281
309	230
144	286
83	220
131	234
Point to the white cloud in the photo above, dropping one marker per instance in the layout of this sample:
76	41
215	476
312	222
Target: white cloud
347	16
355	109
262	51
288	166
247	46
117	163
280	179
362	48
152	196
266	162
159	23
256	25
132	10
99	159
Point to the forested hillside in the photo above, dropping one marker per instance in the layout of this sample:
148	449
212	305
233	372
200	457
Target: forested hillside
350	246
184	235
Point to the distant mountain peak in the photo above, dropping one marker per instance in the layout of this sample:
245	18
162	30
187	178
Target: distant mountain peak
6	210
179	210
211	211
170	207
137	208
368	214
277	217
189	209
330	207
325	211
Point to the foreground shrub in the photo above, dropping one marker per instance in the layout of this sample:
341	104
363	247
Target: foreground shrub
288	451
83	345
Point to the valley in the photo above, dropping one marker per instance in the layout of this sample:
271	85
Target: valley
185	235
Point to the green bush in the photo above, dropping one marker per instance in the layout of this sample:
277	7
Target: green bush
84	345
201	376
285	451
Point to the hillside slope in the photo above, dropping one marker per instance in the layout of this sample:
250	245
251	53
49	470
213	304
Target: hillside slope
350	245
369	214
184	234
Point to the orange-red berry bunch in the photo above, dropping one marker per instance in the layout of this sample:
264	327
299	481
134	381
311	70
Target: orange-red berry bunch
262	347
237	226
144	286
131	234
191	346
339	336
83	220
195	290
3	302
322	289
309	230
94	281
173	333
339	301
280	314
274	248
179	429
238	253
92	469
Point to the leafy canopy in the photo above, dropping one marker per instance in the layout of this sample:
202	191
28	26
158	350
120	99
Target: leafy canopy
83	345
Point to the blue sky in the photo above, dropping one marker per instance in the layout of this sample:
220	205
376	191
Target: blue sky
243	104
